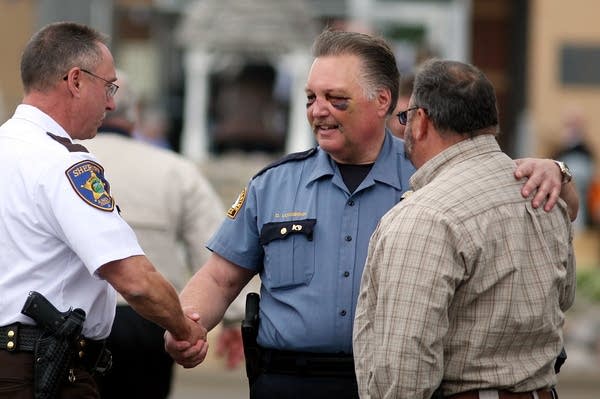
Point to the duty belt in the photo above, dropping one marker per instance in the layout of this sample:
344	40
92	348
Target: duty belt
91	354
307	363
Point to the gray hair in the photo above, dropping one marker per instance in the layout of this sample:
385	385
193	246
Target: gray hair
56	48
457	97
378	61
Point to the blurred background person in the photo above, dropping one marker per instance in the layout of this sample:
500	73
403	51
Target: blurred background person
576	153
152	125
173	210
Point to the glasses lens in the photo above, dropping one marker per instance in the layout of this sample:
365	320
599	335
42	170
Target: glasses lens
402	117
111	89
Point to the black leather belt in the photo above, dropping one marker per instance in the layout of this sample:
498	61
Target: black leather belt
19	337
307	363
90	354
93	355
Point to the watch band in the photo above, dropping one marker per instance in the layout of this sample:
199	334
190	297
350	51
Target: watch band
567	176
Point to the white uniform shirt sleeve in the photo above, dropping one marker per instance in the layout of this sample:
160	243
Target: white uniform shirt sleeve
96	236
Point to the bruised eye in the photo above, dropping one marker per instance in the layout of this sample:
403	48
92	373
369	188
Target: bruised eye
340	103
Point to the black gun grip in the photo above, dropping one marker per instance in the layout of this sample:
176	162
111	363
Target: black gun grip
251	316
43	312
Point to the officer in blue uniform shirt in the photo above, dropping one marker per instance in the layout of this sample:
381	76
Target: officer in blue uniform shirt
304	223
306	233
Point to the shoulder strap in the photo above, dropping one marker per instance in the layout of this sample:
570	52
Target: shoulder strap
72	147
295	156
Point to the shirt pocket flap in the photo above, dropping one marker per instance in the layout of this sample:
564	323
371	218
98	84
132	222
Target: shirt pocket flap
281	230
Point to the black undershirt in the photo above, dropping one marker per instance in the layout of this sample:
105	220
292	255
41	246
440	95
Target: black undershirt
353	175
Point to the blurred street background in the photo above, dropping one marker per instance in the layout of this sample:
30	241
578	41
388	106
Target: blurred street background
222	82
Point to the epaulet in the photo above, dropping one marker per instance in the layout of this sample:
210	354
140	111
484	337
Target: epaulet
295	156
72	147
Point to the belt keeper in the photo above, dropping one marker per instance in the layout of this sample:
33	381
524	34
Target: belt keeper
12	336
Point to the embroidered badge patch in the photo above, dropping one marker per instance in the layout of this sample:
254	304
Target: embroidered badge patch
237	205
87	179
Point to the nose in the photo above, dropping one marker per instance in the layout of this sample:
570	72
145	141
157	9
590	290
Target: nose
319	108
111	105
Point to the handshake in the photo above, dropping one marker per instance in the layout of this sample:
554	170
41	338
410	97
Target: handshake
191	349
229	345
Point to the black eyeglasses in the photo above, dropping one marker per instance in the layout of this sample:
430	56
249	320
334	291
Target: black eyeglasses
403	115
111	88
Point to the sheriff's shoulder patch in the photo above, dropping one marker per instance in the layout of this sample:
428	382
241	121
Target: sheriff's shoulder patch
87	179
237	205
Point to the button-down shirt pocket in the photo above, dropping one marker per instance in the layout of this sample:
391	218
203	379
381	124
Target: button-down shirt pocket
289	252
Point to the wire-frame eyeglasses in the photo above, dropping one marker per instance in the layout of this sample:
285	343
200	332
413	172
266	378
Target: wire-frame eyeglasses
111	88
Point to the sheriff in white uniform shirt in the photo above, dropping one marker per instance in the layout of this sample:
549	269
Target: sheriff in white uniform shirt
58	223
60	230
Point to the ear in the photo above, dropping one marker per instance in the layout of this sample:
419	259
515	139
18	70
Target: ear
384	98
420	124
73	78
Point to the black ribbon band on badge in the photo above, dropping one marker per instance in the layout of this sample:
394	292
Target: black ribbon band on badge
281	230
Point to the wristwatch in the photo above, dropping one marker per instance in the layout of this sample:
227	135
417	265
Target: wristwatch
567	176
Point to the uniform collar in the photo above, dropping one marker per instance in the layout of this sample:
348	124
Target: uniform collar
384	170
41	119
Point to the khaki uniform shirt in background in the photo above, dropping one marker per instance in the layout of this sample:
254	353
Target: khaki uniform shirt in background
170	205
465	283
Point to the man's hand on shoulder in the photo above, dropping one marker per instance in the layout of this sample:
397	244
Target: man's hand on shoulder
545	179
